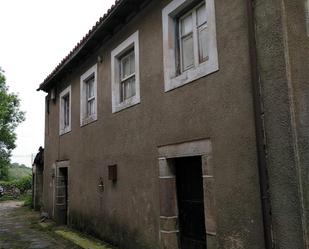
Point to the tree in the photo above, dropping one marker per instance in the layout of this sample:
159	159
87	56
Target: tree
10	117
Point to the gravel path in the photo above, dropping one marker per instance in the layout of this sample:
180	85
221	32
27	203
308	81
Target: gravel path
19	230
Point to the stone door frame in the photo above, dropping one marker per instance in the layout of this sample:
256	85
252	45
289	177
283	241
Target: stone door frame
169	231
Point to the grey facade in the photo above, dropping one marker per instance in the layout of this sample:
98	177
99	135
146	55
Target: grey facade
247	122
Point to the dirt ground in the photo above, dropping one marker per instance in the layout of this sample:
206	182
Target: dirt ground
19	229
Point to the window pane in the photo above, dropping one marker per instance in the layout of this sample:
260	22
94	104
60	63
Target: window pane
125	67
187	52
128	88
201	15
90	107
90	88
132	63
202	39
66	110
186	25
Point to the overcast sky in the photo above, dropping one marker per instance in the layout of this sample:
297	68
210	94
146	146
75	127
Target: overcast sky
34	36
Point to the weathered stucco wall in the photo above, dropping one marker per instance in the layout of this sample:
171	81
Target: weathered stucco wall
282	46
217	107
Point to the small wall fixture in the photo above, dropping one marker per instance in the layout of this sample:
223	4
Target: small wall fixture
101	184
100	59
112	172
53	94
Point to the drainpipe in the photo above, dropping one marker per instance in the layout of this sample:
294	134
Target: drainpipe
259	127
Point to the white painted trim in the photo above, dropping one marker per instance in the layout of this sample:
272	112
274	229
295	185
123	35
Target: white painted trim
83	104
62	129
131	42
171	80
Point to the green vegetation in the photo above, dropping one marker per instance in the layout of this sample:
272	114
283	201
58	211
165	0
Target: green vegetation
17	171
27	198
82	240
18	182
19	186
10	117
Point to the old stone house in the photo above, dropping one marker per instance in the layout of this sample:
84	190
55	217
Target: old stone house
183	124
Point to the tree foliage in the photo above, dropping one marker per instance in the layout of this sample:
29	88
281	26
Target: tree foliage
10	117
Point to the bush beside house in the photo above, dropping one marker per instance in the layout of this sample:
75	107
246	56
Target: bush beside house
17	187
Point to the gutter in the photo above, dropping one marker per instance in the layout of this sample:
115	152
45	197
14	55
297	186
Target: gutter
259	129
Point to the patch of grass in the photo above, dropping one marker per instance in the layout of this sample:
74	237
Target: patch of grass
81	240
7	198
27	200
2	237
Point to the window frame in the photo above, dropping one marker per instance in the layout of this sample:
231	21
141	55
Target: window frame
85	117
63	129
118	54
174	77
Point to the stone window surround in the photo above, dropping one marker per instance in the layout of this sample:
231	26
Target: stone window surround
168	197
169	15
83	104
131	42
62	129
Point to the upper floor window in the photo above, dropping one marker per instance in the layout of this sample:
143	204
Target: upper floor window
90	98
65	111
125	74
192	38
190	49
88	102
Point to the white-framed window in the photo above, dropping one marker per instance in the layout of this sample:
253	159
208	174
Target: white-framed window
88	94
189	42
65	111
125	74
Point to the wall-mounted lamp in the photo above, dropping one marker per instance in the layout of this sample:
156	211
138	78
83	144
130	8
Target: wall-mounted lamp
101	184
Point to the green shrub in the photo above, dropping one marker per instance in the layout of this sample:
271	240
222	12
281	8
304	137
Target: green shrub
24	184
27	200
7	184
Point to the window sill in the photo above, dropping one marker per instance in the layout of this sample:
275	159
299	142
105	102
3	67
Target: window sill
88	120
126	104
190	75
64	131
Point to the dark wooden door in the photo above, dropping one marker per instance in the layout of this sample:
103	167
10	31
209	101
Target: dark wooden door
190	203
62	195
